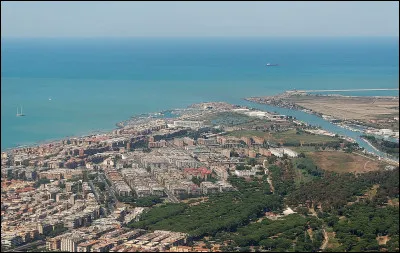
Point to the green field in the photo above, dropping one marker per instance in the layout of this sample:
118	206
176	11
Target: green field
302	175
248	133
229	119
304	149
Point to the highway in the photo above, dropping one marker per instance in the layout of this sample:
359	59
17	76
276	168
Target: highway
27	246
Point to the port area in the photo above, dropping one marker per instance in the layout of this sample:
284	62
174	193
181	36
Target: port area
377	115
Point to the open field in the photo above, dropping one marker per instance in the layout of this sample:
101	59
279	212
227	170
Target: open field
371	193
226	118
382	240
344	162
356	108
301	175
287	137
376	112
291	136
303	149
393	202
248	133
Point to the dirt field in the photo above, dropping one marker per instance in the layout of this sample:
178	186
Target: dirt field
287	136
361	108
344	162
382	240
393	202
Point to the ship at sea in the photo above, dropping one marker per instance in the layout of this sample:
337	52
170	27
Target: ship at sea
20	114
271	64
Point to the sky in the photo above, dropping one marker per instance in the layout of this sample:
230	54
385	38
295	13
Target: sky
198	19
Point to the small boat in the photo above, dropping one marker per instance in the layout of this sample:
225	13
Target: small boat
271	64
19	114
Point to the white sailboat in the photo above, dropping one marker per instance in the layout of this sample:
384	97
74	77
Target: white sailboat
20	114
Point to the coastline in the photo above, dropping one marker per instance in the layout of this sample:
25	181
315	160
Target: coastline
376	153
276	100
369	143
389	156
55	140
119	125
144	116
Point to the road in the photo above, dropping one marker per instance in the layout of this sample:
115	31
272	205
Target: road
365	165
111	191
27	246
270	184
326	237
94	191
388	160
171	197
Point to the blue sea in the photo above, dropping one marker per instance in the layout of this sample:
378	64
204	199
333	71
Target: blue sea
72	87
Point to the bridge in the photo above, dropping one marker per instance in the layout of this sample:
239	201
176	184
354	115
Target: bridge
346	90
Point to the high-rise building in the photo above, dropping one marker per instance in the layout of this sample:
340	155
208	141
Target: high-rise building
81	152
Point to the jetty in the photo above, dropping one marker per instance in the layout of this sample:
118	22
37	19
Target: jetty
346	90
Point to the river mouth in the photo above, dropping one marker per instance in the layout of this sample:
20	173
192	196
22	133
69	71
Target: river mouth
317	121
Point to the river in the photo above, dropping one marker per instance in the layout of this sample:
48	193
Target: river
315	121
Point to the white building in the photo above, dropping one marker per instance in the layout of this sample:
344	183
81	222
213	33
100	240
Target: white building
279	152
245	173
258	114
288	211
187	123
70	242
385	131
108	162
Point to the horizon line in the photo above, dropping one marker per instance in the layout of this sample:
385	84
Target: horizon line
197	37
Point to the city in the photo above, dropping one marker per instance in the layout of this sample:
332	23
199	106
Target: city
204	126
80	194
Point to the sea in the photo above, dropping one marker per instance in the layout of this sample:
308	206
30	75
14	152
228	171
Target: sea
77	86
